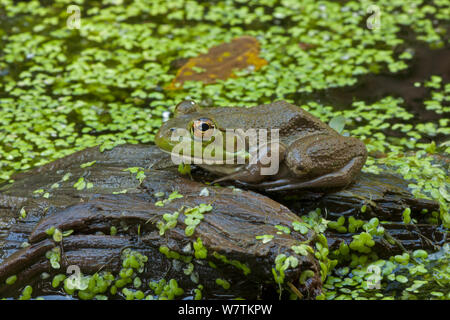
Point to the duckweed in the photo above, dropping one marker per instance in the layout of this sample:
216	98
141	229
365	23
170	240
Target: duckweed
140	173
282	229
223	283
113	230
82	184
50	231
184	169
95	285
88	164
282	263
265	238
305	276
26	293
338	225
23	213
301	227
11	280
170	254
407	216
189	269
402	259
198	292
57	280
134	260
194	216
66	90
137	282
170	222
422	254
200	251
373	228
240	265
354	224
166	291
302	249
57	235
362	242
54	256
174	195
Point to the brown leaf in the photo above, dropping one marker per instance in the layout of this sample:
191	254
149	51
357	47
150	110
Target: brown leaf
219	62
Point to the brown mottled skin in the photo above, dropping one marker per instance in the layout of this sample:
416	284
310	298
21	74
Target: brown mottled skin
312	155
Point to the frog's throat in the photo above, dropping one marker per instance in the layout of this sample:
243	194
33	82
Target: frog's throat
186	159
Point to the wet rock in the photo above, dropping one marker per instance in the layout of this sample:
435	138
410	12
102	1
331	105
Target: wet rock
228	231
384	197
110	196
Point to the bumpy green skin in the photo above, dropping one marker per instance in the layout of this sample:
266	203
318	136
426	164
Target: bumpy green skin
312	155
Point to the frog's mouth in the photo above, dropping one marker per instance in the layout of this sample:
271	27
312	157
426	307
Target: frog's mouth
222	158
186	149
216	167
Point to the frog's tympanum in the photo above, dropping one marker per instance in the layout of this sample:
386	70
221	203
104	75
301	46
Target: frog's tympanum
308	153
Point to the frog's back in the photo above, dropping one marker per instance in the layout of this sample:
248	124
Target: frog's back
286	117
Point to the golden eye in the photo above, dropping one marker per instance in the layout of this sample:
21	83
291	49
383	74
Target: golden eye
203	129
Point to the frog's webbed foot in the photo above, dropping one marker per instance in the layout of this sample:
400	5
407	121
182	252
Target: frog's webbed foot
341	178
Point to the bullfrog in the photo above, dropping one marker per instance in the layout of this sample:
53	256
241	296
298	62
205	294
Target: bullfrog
308	153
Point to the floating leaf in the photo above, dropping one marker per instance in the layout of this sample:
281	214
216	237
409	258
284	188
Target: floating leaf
338	123
220	62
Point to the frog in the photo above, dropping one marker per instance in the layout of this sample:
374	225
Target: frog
309	153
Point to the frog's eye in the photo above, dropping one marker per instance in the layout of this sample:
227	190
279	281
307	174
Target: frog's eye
203	128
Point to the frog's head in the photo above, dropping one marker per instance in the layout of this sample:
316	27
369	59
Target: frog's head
194	129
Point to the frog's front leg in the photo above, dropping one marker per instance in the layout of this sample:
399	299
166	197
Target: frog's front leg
321	161
264	163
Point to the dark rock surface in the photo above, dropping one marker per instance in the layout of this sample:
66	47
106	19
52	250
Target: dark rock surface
229	229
